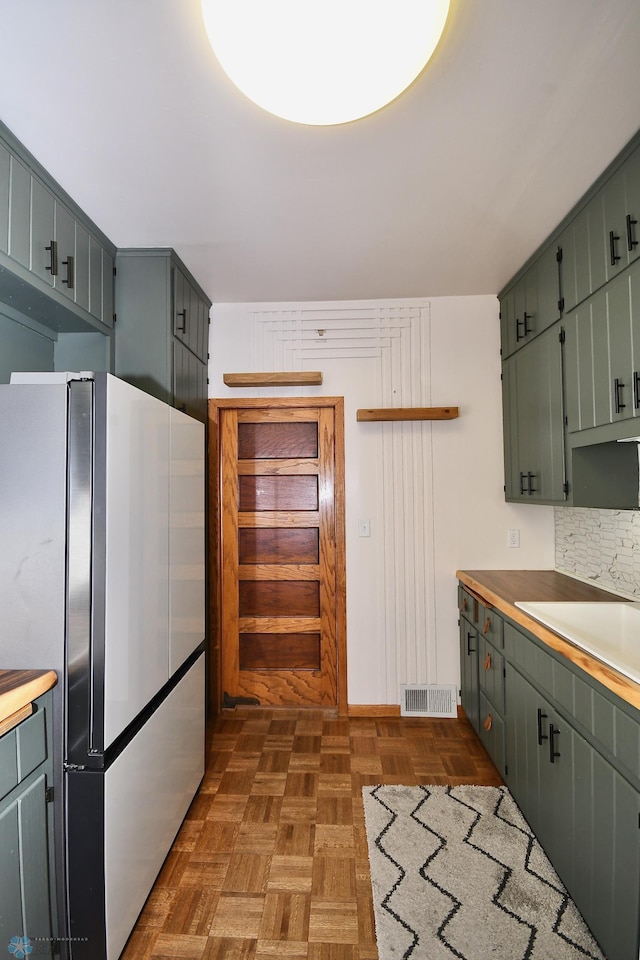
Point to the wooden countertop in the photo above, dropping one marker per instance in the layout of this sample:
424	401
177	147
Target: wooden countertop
18	689
502	588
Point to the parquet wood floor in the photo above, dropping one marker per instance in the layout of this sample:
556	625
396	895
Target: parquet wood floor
271	860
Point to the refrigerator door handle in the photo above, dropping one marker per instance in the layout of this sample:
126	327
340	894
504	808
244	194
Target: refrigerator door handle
81	737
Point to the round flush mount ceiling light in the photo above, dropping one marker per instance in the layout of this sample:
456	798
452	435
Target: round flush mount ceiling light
323	62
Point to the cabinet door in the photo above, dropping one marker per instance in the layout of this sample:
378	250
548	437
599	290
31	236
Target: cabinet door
620	357
578	368
66	247
634	281
24	880
44	259
536	424
469	672
548	292
5	177
20	213
521	744
632	209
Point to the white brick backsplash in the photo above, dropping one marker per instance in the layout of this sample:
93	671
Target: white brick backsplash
600	545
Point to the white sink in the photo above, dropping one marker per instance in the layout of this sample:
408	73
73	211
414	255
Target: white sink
608	631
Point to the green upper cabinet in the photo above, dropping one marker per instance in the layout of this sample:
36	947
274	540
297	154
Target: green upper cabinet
56	266
534	421
602	354
621	213
162	328
531	304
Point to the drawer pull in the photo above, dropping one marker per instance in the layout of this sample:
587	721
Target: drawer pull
541	736
487	626
53	261
469	650
487	661
465	604
182	328
613	239
488	722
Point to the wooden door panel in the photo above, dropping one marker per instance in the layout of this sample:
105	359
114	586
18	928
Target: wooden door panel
277	651
266	441
278	493
279	614
267	598
258	545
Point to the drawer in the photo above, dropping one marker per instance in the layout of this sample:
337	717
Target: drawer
492	733
22	750
8	763
491	673
31	742
470	607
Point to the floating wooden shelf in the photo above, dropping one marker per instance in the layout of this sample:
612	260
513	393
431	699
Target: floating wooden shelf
290	378
408	413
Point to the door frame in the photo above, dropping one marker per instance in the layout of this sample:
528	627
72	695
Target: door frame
214	536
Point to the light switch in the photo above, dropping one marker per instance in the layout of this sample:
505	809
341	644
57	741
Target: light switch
364	528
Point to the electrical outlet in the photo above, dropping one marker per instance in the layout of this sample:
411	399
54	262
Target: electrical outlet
513	537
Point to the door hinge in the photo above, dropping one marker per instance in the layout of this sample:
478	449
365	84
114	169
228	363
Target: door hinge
559	255
506	769
207	380
566	421
115	317
55	947
504	672
48	795
502	376
565	488
562	335
561	304
114	271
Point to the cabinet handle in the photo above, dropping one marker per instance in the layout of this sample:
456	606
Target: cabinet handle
553	753
631	241
68	263
465	604
488	722
541	736
636	390
522	490
487	626
613	239
183	314
487	661
53	258
618	386
527	330
469	650
530	488
520	336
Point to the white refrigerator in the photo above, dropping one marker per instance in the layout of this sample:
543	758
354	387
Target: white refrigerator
102	531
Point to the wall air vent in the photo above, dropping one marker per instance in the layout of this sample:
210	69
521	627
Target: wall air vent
428	700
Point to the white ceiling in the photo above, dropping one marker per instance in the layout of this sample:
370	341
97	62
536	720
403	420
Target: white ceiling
444	192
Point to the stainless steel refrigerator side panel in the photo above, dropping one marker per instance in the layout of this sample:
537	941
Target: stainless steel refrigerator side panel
79	573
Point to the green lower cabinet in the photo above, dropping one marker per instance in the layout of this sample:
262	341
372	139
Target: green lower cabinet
469	693
585	814
25	892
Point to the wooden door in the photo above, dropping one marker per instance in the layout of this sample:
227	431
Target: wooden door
282	555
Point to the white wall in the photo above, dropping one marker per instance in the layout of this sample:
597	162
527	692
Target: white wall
433	491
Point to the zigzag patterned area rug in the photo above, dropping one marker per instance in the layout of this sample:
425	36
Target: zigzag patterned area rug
457	872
